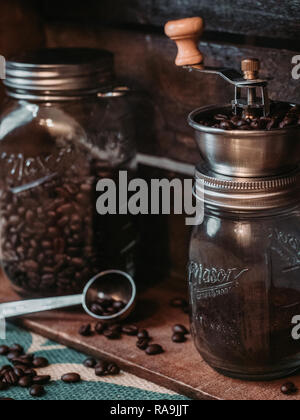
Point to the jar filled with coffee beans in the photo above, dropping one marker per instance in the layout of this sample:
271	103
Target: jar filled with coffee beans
63	128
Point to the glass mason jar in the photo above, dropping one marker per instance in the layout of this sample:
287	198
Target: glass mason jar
244	275
62	129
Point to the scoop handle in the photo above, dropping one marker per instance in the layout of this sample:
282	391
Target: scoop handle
186	33
27	307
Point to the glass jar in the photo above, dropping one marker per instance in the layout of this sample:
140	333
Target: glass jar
63	128
244	275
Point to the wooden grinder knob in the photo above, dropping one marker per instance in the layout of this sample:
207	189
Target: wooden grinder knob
186	33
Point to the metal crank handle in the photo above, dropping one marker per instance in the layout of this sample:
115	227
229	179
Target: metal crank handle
27	307
186	33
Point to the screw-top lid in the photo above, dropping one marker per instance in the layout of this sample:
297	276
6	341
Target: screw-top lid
59	74
247	194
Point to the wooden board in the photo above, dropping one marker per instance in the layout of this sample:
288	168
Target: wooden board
268	18
180	369
146	62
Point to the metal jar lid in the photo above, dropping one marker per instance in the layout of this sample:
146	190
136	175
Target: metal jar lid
59	74
247	194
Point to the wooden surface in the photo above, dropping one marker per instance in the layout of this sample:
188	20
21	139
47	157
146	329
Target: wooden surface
180	368
145	61
268	18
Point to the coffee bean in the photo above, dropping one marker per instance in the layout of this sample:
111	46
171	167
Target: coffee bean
101	368
71	378
100	328
289	388
106	303
131	330
19	372
31	266
180	329
37	391
236	121
255	125
22	362
220	117
143	343
46	244
25	382
30	372
103	302
10	378
119	305
5	369
78	262
12	355
143	334
115	327
154	350
66	208
97	309
29	216
85	330
288	121
4	350
112	369
28	357
90	363
179	303
111	311
178	338
41	380
263	122
40	362
226	125
112	334
14	220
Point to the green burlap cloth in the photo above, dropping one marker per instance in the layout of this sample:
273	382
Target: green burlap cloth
64	360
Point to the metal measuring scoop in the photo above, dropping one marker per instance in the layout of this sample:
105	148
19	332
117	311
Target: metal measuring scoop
108	284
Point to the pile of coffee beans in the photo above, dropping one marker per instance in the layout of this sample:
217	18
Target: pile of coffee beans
102	368
116	331
281	116
107	307
21	371
179	334
53	240
47	238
